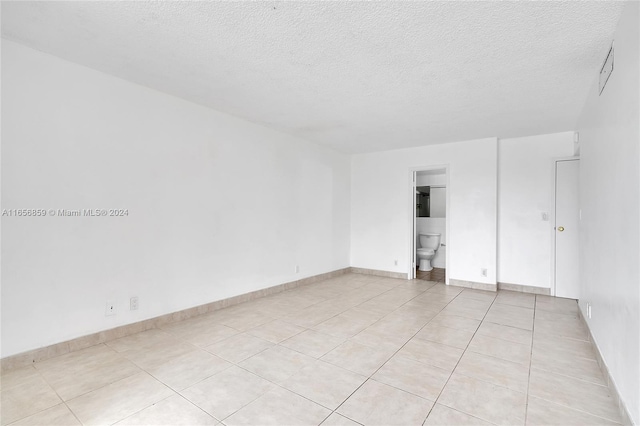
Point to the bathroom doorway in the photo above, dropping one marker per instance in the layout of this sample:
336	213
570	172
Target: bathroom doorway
429	225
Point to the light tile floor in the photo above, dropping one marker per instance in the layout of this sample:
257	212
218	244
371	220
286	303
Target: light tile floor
436	274
351	350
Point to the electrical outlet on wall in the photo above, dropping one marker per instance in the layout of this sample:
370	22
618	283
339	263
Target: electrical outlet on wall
133	303
110	308
589	310
296	269
395	262
483	272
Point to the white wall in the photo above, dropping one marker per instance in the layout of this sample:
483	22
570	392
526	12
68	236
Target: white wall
434	225
525	191
430	179
206	192
381	230
438	202
609	198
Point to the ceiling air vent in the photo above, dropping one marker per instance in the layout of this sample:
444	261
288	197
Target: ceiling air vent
606	70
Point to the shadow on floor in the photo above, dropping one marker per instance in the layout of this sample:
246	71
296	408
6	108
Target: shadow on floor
436	274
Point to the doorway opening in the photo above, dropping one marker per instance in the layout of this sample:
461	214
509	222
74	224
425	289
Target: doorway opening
429	223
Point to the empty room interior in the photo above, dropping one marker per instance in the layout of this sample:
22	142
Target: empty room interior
320	213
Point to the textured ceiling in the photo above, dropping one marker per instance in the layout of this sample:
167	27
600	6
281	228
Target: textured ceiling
355	76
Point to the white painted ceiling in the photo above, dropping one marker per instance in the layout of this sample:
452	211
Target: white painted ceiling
355	76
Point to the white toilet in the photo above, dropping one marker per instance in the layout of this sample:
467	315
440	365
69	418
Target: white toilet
429	244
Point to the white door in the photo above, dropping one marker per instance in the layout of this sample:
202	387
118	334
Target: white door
566	228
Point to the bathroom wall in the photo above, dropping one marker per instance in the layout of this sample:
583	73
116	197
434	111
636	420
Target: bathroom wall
217	206
438	200
610	202
434	225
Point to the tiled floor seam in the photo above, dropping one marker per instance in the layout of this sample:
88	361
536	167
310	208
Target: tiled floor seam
157	402
500	338
460	411
392	355
555	373
363	302
395	387
65	402
577	409
232	364
570	376
221	420
390	290
275	384
533	330
456	366
347	398
71	411
414	335
340	414
398	350
204	348
58	395
195	405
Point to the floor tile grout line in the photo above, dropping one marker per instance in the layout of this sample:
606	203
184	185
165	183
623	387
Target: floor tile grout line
576	409
498	359
559	374
62	401
340	313
391	356
121	356
272	382
262	378
370	377
294	392
195	405
157	402
413	336
554	373
141	369
178	392
570	377
457	363
65	402
533	330
394	353
405	343
389	290
71	411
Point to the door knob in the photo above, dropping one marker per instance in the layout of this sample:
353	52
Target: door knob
560	228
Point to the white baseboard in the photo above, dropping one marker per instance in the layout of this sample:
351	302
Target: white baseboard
472	284
525	288
379	273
